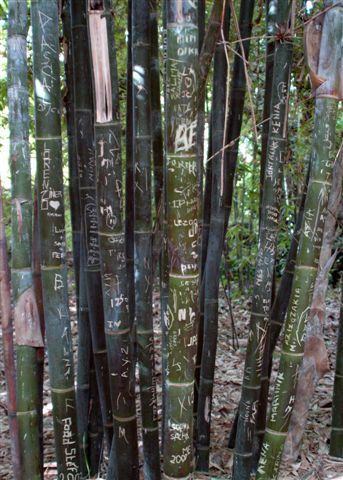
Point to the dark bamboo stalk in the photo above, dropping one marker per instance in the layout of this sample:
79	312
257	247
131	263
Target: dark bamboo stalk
182	217
142	146
74	193
129	185
27	325
118	328
8	345
265	264
327	97
84	361
336	439
45	36
85	148
236	105
38	292
156	116
95	427
210	281
208	45
270	47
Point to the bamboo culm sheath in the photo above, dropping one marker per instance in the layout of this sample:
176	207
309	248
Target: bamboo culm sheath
45	35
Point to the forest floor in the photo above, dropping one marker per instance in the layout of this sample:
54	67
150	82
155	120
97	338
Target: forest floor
314	462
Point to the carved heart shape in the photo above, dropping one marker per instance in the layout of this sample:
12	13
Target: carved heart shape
54	204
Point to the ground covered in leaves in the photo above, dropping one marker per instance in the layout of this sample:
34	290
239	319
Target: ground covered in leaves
314	462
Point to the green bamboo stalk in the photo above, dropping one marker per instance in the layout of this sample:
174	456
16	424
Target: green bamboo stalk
210	281
46	70
265	264
28	334
85	148
118	327
142	146
327	96
336	439
182	216
8	344
276	321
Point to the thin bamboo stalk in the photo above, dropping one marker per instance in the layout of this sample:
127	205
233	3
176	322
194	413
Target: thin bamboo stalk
236	105
210	290
74	193
8	344
118	327
327	97
45	36
85	147
182	216
267	93
265	264
38	292
27	326
84	360
336	438
142	146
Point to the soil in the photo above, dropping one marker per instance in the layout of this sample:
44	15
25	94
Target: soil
314	463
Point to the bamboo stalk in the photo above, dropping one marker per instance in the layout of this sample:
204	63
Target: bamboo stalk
68	99
327	97
83	380
52	233
236	104
156	116
142	146
336	438
38	292
27	326
270	47
8	345
85	148
210	281
182	216
265	264
276	321
118	327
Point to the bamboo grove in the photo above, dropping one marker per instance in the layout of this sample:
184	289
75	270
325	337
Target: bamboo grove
146	106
